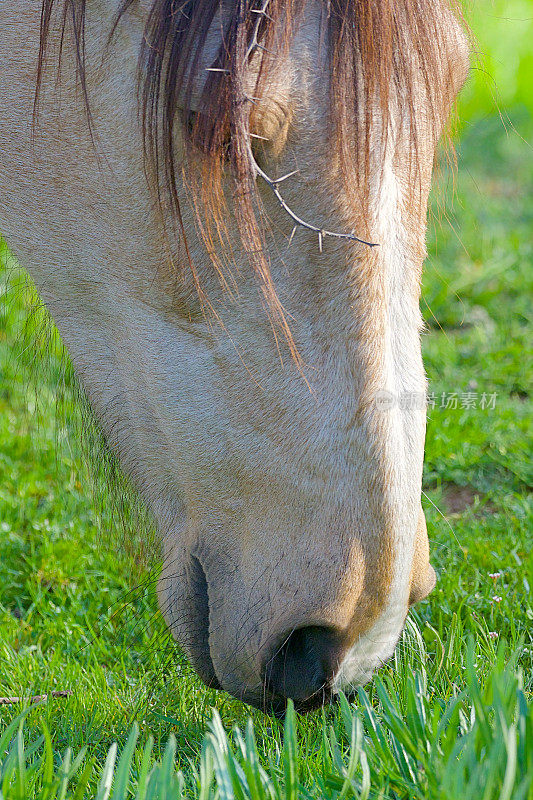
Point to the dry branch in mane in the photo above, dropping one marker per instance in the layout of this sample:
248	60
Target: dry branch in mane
379	52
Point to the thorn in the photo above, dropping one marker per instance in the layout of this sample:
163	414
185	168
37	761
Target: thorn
258	172
217	69
264	49
288	175
256	136
262	13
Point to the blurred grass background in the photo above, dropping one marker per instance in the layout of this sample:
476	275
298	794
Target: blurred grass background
503	77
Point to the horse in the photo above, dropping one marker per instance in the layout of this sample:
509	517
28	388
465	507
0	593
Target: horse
223	205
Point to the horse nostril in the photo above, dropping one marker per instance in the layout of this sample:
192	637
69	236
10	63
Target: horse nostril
198	617
303	666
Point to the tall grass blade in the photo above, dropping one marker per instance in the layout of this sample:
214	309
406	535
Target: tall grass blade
106	780
122	774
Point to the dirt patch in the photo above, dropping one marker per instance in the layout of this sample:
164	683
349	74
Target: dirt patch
458	499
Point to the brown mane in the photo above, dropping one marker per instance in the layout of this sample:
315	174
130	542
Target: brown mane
377	50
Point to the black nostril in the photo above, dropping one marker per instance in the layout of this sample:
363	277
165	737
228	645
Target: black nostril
303	665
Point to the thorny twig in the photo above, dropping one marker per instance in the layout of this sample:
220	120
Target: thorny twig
298	221
274	184
256	169
254	42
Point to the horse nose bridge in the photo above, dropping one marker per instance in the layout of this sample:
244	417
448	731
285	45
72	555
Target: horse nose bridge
343	584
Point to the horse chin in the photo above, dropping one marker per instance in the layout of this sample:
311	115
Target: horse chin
275	705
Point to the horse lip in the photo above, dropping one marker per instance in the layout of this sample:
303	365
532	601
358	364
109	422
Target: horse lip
275	705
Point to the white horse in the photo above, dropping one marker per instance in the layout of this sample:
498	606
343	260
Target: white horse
254	364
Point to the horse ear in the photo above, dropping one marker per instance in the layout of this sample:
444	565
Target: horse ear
423	577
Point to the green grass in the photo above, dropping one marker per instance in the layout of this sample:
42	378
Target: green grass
410	750
451	715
